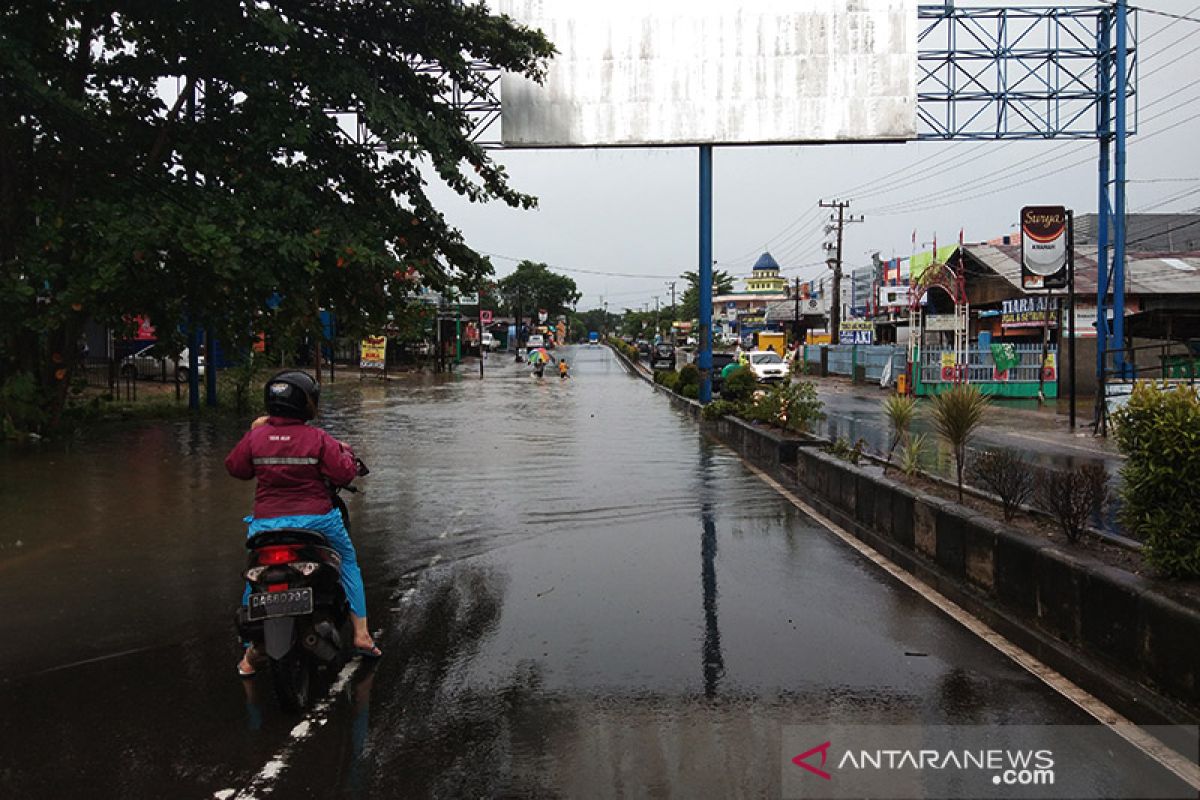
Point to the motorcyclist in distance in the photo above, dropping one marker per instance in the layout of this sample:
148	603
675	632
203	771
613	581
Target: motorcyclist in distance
292	461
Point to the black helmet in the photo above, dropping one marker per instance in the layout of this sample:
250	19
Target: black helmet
292	393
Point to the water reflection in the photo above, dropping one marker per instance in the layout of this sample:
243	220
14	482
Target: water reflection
713	660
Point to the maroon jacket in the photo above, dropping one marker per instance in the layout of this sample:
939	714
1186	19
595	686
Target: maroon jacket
291	461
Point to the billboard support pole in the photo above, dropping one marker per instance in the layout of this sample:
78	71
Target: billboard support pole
704	342
1071	310
1118	262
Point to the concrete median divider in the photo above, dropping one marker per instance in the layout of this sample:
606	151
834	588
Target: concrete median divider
1131	640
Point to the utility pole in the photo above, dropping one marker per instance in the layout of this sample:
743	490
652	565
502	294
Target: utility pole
835	310
796	322
671	284
656	322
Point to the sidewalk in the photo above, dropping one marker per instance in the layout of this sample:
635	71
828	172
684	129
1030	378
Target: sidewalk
854	411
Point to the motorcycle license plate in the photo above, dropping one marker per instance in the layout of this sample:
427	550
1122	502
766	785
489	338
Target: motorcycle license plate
280	604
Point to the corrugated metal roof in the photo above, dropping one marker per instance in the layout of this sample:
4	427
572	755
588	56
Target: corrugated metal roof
1146	273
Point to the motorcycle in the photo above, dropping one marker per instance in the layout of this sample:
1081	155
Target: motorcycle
297	612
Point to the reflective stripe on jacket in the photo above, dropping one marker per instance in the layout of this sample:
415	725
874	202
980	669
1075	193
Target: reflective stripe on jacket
290	459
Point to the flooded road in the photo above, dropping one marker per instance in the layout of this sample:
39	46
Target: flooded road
577	595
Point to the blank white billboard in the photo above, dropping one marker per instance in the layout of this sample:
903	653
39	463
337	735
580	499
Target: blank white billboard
676	72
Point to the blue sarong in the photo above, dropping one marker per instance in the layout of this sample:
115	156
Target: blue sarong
333	528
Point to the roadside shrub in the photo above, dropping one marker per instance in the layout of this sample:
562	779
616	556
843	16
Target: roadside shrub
912	453
900	410
689	390
689	375
720	408
956	415
23	406
1007	474
1072	496
667	378
842	449
739	386
1159	433
791	406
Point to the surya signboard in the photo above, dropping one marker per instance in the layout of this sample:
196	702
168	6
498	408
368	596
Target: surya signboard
1043	247
680	72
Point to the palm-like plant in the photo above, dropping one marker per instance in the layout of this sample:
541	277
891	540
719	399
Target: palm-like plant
900	410
956	415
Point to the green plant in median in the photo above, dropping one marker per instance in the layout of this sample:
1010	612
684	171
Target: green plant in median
1159	433
720	408
1072	496
900	411
739	386
912	453
689	375
956	415
791	406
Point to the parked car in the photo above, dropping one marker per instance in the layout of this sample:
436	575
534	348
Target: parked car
643	348
767	366
145	364
719	362
535	340
662	356
488	340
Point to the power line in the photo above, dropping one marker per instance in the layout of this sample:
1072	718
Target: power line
582	270
1164	13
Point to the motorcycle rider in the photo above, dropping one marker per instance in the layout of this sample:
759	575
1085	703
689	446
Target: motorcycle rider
292	461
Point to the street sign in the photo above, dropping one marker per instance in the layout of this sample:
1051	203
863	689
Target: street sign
469	299
485	317
1043	247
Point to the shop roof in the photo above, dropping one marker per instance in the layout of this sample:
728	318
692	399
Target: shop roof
1146	273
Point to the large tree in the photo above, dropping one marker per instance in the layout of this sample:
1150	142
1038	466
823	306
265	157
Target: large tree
180	161
533	286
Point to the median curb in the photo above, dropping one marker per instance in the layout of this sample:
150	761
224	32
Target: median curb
1120	636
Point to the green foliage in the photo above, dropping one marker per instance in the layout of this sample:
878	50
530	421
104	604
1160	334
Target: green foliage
1159	433
791	406
900	411
533	287
1007	474
956	415
116	202
689	303
22	406
668	378
913	453
739	386
1072	496
689	390
689	375
720	408
841	448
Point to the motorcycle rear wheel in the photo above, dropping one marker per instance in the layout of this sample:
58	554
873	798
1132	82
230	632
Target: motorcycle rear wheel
292	676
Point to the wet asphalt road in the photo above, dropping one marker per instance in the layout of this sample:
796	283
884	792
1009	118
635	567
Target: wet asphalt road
578	596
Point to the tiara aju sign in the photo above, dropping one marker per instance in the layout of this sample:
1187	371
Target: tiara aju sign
1043	247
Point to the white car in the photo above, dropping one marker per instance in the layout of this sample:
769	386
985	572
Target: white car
487	341
535	340
767	366
144	364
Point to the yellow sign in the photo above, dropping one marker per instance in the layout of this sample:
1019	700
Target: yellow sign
948	359
373	353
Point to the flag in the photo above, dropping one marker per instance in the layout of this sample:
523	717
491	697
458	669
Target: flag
1005	356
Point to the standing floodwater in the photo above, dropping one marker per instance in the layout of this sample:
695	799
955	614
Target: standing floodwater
578	595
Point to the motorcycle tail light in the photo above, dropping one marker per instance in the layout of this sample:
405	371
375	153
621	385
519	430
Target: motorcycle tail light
277	554
305	568
253	573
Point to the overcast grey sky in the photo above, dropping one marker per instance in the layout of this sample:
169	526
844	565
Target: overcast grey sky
632	213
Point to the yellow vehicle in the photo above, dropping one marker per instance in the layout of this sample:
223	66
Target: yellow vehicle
774	341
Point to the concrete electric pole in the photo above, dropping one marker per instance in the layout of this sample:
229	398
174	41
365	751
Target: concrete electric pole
835	308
